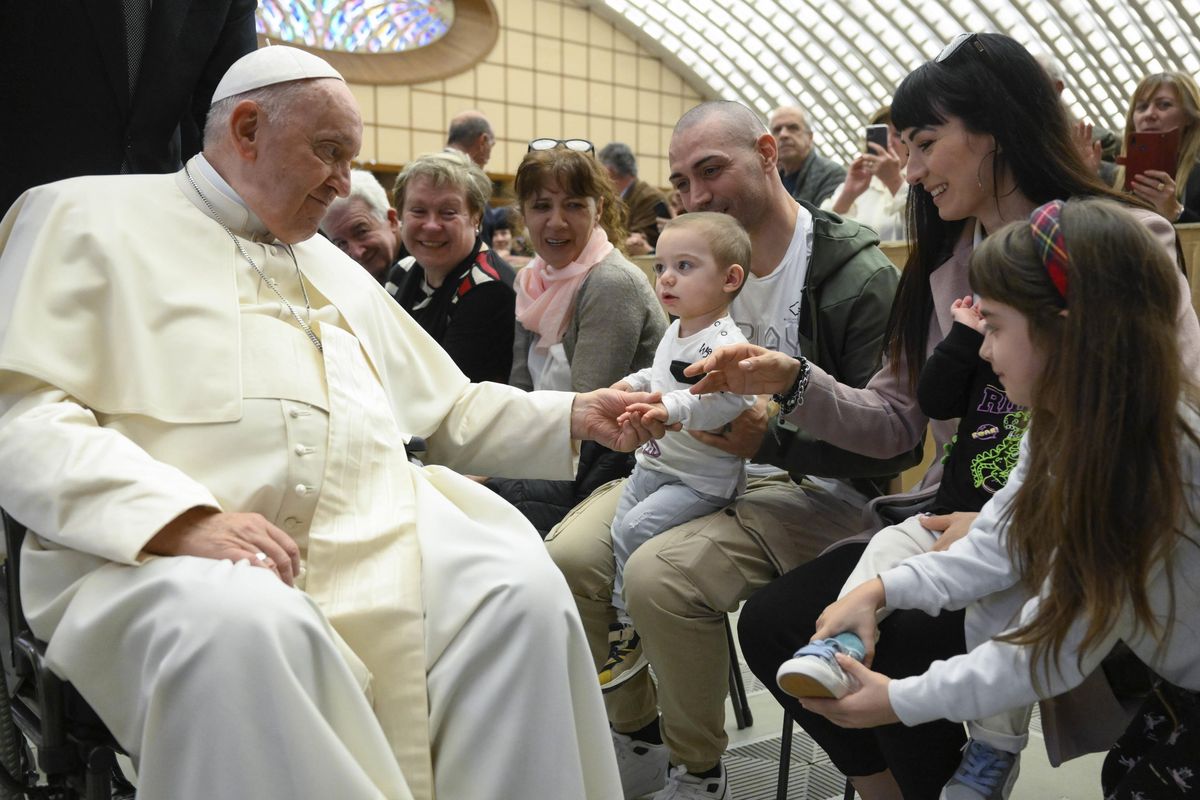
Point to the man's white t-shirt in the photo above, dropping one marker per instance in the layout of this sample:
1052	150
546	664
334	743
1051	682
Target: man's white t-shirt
767	312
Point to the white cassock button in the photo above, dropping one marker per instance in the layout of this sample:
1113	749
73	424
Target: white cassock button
301	489
291	523
301	450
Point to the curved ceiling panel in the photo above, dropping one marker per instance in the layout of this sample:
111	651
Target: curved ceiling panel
841	59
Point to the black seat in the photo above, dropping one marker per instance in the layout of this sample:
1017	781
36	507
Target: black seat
75	753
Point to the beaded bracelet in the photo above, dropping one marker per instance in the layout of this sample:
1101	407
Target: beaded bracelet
793	398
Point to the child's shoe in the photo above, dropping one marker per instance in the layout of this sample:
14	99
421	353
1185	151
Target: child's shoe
814	672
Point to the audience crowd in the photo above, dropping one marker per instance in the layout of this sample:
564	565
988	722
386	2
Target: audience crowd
437	469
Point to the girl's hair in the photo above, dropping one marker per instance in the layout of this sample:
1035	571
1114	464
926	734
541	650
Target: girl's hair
1004	92
1188	95
577	174
1102	500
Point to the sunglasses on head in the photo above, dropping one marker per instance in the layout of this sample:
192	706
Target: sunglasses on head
957	43
578	145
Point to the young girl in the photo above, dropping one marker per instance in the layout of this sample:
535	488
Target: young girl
1095	540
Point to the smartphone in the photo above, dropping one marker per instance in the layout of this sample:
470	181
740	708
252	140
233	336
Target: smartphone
877	134
1150	150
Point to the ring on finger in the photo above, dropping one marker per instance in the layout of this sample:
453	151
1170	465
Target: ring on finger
261	557
1161	186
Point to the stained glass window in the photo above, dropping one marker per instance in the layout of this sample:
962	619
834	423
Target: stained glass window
356	26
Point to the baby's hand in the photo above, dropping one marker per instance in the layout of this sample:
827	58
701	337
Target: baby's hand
644	411
966	312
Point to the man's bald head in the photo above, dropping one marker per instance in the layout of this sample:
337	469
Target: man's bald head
789	126
723	159
471	133
726	123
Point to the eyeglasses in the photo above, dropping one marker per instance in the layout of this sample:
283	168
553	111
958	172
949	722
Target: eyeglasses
578	145
956	44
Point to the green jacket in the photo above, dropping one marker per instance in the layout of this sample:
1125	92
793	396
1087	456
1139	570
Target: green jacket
848	296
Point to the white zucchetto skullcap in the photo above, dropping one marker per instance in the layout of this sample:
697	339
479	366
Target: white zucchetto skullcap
271	65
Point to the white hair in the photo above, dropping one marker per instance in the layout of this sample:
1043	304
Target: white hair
277	103
366	187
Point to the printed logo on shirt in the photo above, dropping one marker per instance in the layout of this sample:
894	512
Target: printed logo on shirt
990	469
995	401
651	449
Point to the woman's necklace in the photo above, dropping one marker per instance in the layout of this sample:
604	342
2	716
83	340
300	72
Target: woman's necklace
304	326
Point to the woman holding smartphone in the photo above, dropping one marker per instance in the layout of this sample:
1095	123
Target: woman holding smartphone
988	142
874	192
1163	102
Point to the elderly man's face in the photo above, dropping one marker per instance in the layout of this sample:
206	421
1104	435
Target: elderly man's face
713	173
792	133
302	162
362	235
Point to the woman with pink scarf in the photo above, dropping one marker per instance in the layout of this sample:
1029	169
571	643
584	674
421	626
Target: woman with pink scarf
586	316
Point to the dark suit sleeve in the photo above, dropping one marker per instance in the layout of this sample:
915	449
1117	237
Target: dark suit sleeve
237	38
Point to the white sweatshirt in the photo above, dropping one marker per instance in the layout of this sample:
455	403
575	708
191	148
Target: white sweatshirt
699	466
995	676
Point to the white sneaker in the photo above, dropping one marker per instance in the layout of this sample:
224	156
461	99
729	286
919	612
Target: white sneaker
643	766
683	786
984	773
814	672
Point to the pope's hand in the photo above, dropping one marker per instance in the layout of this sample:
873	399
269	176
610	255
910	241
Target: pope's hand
595	415
744	369
208	533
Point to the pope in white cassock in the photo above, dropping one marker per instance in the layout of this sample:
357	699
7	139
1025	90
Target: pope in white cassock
202	415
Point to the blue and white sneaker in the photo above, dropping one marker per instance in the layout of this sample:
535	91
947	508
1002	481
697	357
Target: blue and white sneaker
984	773
814	672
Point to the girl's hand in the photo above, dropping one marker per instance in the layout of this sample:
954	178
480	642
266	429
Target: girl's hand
867	707
744	369
965	311
1157	188
953	526
856	613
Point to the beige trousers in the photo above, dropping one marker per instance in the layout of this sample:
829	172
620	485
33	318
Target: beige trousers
679	586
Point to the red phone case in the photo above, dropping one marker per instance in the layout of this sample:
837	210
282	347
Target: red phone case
1151	150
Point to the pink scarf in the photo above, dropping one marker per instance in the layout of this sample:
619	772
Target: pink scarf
545	295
